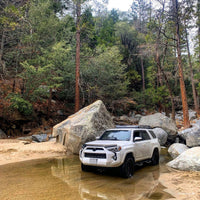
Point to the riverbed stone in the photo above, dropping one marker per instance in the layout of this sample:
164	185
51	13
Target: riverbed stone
161	135
193	139
161	121
189	160
85	125
40	138
176	149
2	135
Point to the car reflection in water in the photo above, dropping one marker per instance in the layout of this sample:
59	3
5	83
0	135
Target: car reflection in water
108	185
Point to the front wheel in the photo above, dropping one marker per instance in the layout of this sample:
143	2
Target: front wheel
155	157
86	168
127	168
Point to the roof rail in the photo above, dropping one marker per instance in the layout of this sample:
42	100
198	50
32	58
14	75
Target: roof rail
134	126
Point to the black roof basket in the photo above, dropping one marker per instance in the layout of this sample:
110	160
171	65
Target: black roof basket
134	126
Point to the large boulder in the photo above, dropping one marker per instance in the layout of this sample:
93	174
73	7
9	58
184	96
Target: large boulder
176	149
83	126
2	135
193	139
160	120
187	161
161	135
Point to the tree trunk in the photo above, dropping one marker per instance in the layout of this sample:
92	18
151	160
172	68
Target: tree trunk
143	76
49	103
77	92
2	63
168	85
191	74
198	25
159	77
181	77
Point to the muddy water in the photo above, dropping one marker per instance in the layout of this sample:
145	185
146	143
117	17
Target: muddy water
62	178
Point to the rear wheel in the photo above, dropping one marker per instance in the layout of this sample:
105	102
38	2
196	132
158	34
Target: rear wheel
155	157
127	168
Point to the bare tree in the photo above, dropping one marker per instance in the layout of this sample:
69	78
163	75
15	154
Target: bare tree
77	92
181	76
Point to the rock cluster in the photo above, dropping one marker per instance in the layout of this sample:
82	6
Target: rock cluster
189	160
187	157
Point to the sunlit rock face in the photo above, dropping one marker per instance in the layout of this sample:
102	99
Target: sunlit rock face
189	160
160	120
83	126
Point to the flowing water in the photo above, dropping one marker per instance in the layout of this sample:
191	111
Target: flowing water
62	179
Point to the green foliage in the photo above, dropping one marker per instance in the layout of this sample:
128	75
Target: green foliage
38	81
152	98
20	104
104	77
115	49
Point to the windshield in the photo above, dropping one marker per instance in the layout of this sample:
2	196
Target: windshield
122	135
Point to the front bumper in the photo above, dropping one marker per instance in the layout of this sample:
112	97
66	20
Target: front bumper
101	157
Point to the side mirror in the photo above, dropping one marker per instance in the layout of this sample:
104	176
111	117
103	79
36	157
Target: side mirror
136	139
97	138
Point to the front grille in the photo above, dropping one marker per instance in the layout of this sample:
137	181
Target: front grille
95	155
94	148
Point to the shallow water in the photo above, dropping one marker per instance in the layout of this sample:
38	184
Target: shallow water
62	178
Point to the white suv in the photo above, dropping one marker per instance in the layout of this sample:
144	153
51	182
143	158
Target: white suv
121	147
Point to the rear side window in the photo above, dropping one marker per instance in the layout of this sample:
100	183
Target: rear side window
143	134
152	134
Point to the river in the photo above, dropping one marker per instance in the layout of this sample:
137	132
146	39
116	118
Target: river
62	178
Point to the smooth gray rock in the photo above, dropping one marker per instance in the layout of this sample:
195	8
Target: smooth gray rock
40	138
161	135
2	135
189	160
192	114
85	125
193	139
195	127
176	149
161	121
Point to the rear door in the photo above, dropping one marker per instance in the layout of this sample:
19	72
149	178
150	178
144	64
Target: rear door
142	148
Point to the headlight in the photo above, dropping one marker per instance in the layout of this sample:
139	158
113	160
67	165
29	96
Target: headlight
114	149
83	146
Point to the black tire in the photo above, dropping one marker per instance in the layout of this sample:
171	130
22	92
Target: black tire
127	168
86	168
155	157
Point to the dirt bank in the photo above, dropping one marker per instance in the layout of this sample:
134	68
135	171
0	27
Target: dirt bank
13	150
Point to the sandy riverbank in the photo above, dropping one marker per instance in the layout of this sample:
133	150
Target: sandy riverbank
181	185
13	150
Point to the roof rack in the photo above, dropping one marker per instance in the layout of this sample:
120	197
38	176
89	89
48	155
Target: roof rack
134	126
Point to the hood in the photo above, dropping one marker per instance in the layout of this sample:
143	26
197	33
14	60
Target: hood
107	143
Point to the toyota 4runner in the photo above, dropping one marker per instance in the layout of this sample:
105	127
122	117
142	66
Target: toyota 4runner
121	147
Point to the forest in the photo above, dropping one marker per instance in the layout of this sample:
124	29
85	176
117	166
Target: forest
57	56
